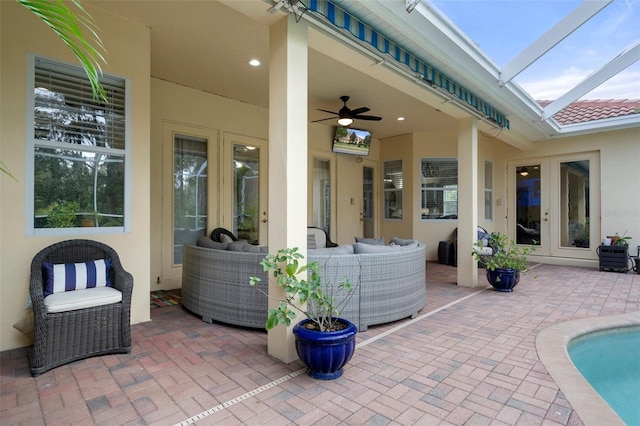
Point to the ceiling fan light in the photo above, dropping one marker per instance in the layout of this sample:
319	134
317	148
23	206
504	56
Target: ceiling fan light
345	121
524	171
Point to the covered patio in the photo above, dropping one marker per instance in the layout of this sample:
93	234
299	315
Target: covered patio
469	358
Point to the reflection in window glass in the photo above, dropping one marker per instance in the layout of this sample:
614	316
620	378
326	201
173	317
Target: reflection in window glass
574	204
528	204
189	192
393	185
246	192
488	190
321	195
439	188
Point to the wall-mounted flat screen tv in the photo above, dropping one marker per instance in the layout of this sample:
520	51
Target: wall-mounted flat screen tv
348	140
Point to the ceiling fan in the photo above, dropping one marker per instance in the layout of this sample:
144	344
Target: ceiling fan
346	115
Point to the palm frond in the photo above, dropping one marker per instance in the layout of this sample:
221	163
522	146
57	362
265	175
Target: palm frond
69	27
5	169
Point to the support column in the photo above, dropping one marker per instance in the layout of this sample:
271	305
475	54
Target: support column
467	201
287	158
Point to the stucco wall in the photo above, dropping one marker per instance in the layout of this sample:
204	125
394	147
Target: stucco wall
391	149
127	55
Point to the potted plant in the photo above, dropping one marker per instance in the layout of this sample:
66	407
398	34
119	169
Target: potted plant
581	238
622	241
506	263
62	215
324	342
89	219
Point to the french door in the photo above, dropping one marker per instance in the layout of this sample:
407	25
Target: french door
555	204
190	205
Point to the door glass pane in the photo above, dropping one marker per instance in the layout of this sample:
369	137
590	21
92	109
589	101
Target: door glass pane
488	190
246	192
393	186
574	204
321	194
189	192
528	204
367	202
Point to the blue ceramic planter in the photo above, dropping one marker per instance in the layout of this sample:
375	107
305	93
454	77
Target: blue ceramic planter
503	279
325	353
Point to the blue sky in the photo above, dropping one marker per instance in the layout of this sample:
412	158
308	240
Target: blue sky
503	28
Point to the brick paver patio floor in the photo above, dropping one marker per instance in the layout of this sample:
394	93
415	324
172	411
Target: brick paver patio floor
468	359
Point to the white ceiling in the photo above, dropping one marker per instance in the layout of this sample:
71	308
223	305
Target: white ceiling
206	45
209	46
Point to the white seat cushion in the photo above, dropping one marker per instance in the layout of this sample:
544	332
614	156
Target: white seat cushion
80	299
486	250
316	238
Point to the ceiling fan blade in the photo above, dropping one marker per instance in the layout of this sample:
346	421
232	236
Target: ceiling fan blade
323	119
330	112
359	111
367	117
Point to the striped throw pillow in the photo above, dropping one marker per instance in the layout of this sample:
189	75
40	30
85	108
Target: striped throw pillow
75	276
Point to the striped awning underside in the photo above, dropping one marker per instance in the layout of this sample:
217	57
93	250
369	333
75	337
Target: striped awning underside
365	34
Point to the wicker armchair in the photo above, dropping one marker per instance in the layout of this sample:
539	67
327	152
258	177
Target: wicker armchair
63	337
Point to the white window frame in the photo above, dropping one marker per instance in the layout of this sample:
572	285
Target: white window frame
31	143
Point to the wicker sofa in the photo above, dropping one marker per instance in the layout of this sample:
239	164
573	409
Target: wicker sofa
390	282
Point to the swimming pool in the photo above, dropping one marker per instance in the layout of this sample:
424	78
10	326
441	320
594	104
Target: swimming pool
610	361
552	346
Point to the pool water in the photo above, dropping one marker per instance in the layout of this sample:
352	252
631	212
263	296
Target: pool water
611	364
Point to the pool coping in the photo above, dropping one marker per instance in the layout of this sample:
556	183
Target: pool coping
552	344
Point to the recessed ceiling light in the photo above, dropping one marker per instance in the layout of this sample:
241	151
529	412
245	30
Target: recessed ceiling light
254	63
400	119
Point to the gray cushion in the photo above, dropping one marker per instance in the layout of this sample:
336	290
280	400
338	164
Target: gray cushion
250	248
362	248
237	245
372	241
408	246
207	242
401	241
226	239
346	249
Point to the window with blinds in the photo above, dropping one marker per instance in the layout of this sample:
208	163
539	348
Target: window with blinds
79	149
393	189
439	188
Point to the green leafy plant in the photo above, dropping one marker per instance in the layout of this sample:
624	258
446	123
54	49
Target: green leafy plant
322	309
506	253
624	240
63	215
5	169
